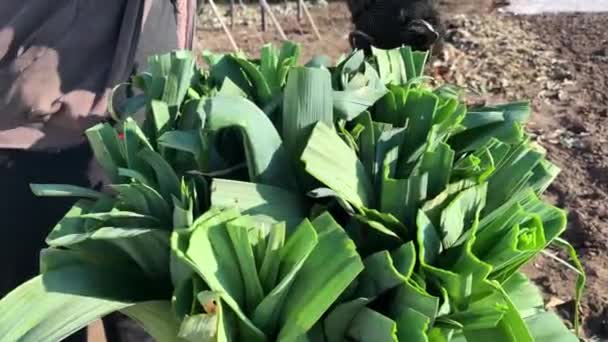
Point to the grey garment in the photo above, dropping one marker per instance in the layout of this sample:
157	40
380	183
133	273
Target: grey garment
59	59
153	40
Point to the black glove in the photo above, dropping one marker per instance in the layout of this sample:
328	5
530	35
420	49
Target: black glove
388	24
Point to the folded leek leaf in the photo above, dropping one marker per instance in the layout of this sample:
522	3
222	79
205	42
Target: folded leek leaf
367	143
267	158
71	294
267	203
307	101
547	326
525	296
412	326
261	86
64	190
486	123
360	88
340	318
264	79
156	318
369	325
290	260
178	68
461	213
401	197
135	140
57	314
419	59
321	280
223	67
337	167
391	67
419	109
186	141
209	326
105	145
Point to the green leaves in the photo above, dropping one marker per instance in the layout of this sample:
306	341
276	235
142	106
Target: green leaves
270	201
317	263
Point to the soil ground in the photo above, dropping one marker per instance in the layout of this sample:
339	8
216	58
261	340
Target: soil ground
559	62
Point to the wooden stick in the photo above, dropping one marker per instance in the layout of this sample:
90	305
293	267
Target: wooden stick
300	3
311	21
232	13
263	13
273	19
226	30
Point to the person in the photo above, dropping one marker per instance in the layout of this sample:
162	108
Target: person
58	62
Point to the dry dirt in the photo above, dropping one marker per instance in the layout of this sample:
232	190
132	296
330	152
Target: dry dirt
559	62
581	115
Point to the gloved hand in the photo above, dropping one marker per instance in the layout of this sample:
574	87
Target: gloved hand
388	24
